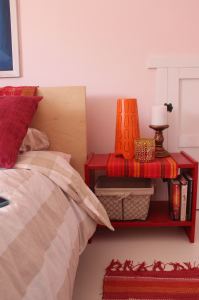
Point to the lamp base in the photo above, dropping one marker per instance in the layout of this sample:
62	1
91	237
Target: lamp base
159	139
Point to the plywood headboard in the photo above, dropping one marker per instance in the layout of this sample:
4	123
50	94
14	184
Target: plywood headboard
62	115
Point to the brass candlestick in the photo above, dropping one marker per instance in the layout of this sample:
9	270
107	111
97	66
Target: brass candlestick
159	139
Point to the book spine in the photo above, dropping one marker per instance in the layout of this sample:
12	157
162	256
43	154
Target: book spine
189	198
176	200
183	205
170	199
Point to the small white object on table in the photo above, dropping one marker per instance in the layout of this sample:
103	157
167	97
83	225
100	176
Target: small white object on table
159	115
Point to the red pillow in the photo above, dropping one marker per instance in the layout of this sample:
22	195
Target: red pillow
16	114
18	91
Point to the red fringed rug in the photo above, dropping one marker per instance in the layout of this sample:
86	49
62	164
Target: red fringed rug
128	281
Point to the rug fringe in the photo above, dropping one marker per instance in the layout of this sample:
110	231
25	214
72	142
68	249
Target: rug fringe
128	265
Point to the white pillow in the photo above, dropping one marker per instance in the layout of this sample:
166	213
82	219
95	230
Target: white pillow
34	140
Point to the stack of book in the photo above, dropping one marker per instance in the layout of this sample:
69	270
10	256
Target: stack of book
180	197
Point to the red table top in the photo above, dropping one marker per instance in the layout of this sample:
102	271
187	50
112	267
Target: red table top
99	161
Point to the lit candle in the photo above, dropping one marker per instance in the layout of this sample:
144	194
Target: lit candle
159	115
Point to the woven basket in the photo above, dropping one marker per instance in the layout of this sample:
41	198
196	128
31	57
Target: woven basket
125	198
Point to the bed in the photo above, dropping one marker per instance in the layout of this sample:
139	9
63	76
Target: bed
52	213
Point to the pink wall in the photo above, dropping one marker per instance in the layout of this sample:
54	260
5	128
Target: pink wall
103	44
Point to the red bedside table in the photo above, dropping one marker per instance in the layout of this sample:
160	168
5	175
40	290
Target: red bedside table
158	212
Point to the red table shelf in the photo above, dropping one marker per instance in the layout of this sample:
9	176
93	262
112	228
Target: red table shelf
158	212
158	217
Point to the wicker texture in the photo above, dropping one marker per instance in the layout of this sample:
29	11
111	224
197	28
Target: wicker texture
136	207
113	205
124	203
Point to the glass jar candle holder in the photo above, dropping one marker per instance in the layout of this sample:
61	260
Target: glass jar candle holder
144	149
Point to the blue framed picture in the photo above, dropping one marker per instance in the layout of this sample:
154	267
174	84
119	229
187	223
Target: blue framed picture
9	52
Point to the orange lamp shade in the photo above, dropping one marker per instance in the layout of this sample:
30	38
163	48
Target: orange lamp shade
127	127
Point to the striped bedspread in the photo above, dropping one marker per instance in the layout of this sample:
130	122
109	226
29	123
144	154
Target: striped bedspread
46	226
